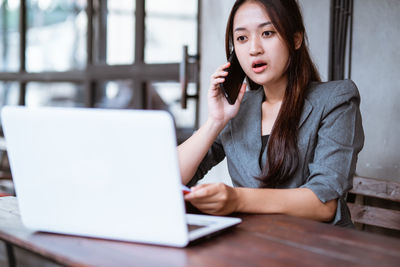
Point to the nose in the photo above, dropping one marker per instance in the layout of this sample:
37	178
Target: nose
255	46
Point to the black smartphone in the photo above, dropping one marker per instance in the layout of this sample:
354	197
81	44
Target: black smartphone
231	86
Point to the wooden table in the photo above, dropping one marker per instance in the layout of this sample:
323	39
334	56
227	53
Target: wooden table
260	240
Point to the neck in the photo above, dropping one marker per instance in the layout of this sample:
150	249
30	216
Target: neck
275	92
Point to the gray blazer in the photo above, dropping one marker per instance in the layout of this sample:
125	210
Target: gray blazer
330	138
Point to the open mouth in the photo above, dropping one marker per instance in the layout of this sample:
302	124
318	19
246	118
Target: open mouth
259	66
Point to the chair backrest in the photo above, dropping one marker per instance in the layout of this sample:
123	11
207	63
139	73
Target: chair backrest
5	173
376	216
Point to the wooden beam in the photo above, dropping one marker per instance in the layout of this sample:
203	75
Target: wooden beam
375	216
376	188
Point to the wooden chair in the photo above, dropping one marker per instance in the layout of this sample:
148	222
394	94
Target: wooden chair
6	185
375	216
4	165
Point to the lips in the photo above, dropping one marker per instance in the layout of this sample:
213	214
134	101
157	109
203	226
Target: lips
259	66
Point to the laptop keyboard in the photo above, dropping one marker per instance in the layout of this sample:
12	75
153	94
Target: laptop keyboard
192	227
195	223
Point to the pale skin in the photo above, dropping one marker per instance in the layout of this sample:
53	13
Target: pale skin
254	39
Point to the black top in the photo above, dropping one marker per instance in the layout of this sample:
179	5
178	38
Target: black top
264	142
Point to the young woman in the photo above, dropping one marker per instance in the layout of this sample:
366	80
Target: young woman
291	142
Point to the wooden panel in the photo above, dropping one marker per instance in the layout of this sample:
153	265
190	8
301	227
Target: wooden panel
376	188
375	216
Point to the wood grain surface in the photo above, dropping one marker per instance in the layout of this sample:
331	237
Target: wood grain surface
260	240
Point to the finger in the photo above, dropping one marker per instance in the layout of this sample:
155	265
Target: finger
206	207
217	81
204	202
219	74
201	198
200	194
202	191
209	188
210	211
224	66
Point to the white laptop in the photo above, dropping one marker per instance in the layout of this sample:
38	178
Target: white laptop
101	173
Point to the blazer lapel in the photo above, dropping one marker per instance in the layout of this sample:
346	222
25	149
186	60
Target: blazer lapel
246	133
307	108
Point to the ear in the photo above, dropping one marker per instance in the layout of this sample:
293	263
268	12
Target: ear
298	40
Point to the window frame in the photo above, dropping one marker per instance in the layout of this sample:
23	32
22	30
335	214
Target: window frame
97	71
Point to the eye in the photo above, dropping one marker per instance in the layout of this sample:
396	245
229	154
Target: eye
267	33
241	38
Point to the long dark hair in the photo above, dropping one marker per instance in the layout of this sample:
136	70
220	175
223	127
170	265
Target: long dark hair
282	149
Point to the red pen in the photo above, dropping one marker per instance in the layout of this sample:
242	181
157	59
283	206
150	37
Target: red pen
186	190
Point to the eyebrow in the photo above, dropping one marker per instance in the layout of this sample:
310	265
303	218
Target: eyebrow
259	26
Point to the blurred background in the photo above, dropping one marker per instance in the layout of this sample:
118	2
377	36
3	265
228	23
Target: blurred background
120	54
97	54
155	54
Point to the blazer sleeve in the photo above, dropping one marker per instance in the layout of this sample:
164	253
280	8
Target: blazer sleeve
214	156
339	140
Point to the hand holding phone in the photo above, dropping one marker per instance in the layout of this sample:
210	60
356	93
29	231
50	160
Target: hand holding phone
233	82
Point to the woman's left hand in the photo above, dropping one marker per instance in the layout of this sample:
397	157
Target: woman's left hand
215	199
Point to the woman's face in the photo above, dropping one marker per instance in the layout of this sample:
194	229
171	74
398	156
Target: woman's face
262	53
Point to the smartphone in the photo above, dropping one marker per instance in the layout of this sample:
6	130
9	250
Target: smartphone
231	86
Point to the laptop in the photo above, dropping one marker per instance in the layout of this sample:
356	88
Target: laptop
109	174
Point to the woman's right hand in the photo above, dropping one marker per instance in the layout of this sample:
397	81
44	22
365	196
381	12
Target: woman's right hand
219	110
193	150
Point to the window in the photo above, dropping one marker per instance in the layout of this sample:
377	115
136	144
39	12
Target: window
103	54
